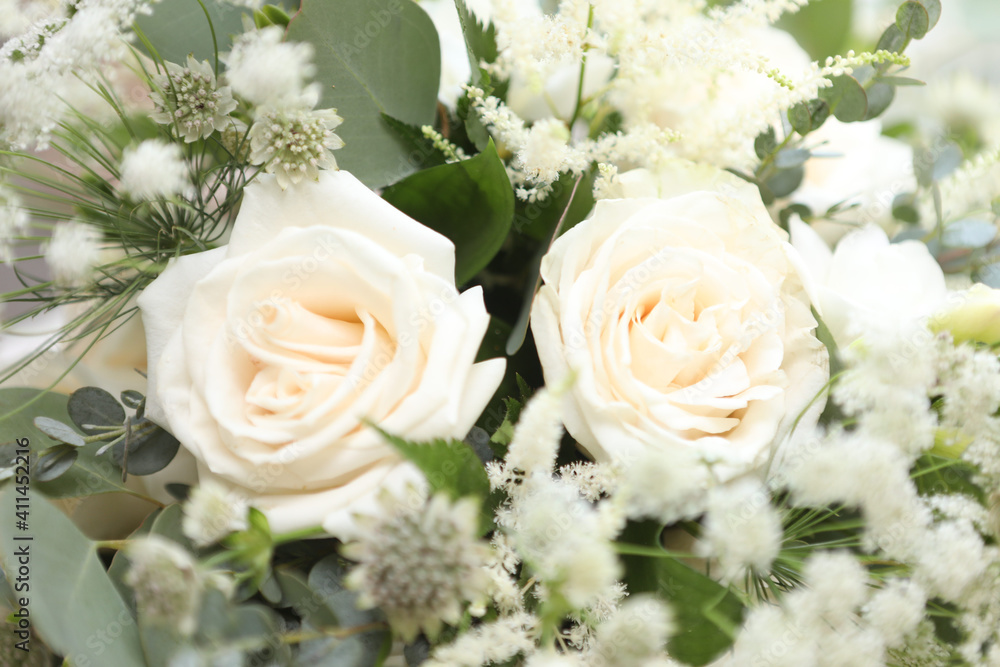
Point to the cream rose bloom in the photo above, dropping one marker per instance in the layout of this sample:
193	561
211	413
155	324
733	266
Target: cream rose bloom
680	313
328	308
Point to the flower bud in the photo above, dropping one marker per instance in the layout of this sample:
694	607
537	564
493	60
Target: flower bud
976	318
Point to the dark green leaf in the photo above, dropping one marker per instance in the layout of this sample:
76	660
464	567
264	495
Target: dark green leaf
765	143
74	606
54	462
785	182
847	99
373	57
801	210
179	27
132	399
59	431
880	96
904	207
471	202
480	40
800	118
912	19
92	407
275	15
150	451
416	141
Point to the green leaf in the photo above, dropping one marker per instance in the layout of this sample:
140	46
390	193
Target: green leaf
150	451
913	19
538	219
786	181
132	398
54	462
373	57
880	96
417	142
471	202
800	119
73	606
892	40
791	157
90	475
275	15
91	407
904	207
707	613
59	431
933	8
901	81
969	233
765	143
847	99
480	40
179	27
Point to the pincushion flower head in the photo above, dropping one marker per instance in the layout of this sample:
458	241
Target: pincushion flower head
681	313
327	309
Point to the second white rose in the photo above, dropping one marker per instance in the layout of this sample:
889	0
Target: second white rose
680	312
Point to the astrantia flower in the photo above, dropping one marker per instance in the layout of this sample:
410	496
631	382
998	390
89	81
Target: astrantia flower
295	143
212	512
420	563
154	170
166	582
73	252
191	100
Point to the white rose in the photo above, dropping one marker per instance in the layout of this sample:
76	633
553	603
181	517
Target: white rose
868	282
683	320
328	308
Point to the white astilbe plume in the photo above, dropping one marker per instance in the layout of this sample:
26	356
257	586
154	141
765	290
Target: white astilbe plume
73	252
154	170
495	642
634	633
419	562
263	69
167	583
535	443
211	513
14	221
666	486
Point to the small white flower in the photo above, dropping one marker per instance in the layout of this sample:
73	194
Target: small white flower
896	610
154	170
265	70
211	513
743	530
637	631
166	581
190	99
73	252
420	562
295	143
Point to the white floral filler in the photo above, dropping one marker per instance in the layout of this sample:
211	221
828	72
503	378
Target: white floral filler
327	308
682	316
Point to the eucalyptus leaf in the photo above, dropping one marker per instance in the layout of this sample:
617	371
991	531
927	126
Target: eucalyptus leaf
989	275
933	8
880	96
75	608
132	399
59	431
471	202
969	233
904	207
786	181
179	27
150	451
791	157
892	40
913	20
847	99
765	143
947	161
901	81
373	57
54	462
92	407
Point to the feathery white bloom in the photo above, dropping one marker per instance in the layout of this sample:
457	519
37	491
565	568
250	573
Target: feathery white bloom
593	480
73	252
951	557
166	581
838	586
14	221
419	563
535	443
154	170
294	143
263	69
189	99
211	513
666	487
896	610
637	631
495	642
742	529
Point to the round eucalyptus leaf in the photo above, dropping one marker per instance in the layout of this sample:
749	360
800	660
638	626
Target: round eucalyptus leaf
933	8
880	96
969	233
59	431
54	462
178	491
800	118
92	407
913	19
765	143
791	157
150	451
786	181
904	208
947	161
132	398
892	40
847	99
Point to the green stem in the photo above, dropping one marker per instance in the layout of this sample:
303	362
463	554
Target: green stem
294	535
583	71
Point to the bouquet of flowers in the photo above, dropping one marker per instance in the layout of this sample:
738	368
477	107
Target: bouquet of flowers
499	332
